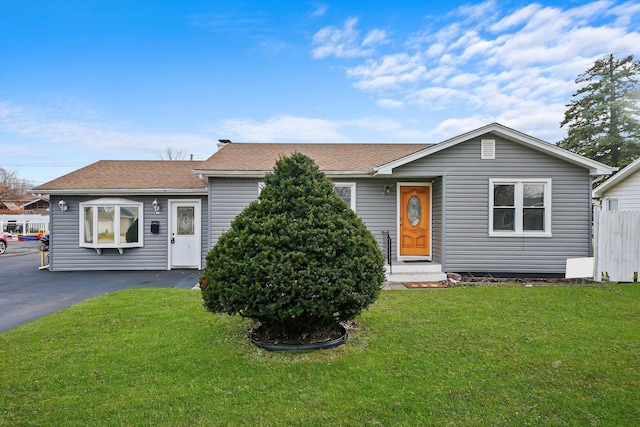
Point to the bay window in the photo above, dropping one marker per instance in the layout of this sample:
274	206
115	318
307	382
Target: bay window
111	223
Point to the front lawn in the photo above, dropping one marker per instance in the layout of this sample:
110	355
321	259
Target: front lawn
475	356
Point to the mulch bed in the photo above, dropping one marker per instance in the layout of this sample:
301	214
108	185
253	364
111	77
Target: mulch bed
475	280
262	334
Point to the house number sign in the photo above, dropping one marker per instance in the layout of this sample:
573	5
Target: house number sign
414	211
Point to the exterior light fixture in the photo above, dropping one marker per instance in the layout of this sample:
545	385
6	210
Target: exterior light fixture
387	189
156	206
63	205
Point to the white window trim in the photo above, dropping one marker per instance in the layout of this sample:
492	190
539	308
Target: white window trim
519	232
352	185
115	203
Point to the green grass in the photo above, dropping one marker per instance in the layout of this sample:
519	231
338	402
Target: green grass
476	356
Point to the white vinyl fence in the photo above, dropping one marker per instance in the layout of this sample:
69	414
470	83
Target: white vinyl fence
617	246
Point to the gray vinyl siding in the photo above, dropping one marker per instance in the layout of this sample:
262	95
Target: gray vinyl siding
65	254
228	197
436	220
377	208
469	248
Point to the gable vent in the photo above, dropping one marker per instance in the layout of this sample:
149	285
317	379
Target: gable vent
488	149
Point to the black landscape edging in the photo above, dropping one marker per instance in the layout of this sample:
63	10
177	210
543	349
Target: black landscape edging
299	348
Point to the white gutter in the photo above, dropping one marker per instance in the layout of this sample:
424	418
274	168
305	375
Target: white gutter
139	192
261	174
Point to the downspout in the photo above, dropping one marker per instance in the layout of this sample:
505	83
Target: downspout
591	229
596	234
443	227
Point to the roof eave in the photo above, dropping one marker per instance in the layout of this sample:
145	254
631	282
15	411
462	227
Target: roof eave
617	178
350	174
230	173
262	173
128	191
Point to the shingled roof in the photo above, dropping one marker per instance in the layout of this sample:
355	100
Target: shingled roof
258	158
133	176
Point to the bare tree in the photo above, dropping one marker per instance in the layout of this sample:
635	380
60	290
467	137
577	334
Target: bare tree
11	186
173	154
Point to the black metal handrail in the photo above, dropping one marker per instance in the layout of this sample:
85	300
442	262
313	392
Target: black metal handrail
388	243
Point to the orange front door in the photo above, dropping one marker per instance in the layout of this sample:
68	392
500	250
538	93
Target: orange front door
415	221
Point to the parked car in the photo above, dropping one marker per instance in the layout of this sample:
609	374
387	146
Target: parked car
3	243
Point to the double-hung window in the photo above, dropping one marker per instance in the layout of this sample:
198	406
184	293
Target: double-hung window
347	192
520	207
111	223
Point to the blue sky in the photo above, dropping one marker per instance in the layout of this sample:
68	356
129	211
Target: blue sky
87	80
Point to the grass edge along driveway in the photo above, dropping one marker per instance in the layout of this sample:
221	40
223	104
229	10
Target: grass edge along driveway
485	355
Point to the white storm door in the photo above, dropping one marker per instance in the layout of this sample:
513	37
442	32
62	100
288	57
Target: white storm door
184	237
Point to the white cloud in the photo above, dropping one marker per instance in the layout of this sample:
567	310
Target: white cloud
270	45
518	65
319	10
345	42
439	98
463	80
515	19
436	49
582	14
390	71
453	127
375	37
287	128
477	12
625	13
390	103
283	128
80	131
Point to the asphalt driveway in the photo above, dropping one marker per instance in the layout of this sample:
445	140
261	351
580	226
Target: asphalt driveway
27	293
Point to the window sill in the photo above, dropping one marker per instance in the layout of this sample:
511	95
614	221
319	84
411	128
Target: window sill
99	250
514	234
120	249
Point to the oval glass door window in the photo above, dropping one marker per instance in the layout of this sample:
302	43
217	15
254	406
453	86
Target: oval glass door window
414	211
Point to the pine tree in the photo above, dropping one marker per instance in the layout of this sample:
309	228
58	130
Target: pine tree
603	119
298	259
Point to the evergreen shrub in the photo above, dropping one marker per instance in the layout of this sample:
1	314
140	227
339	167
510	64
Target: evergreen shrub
297	259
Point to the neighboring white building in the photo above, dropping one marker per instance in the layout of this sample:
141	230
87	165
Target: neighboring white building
617	241
622	191
28	225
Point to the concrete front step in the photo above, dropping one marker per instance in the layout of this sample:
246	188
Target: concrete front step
416	277
400	267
